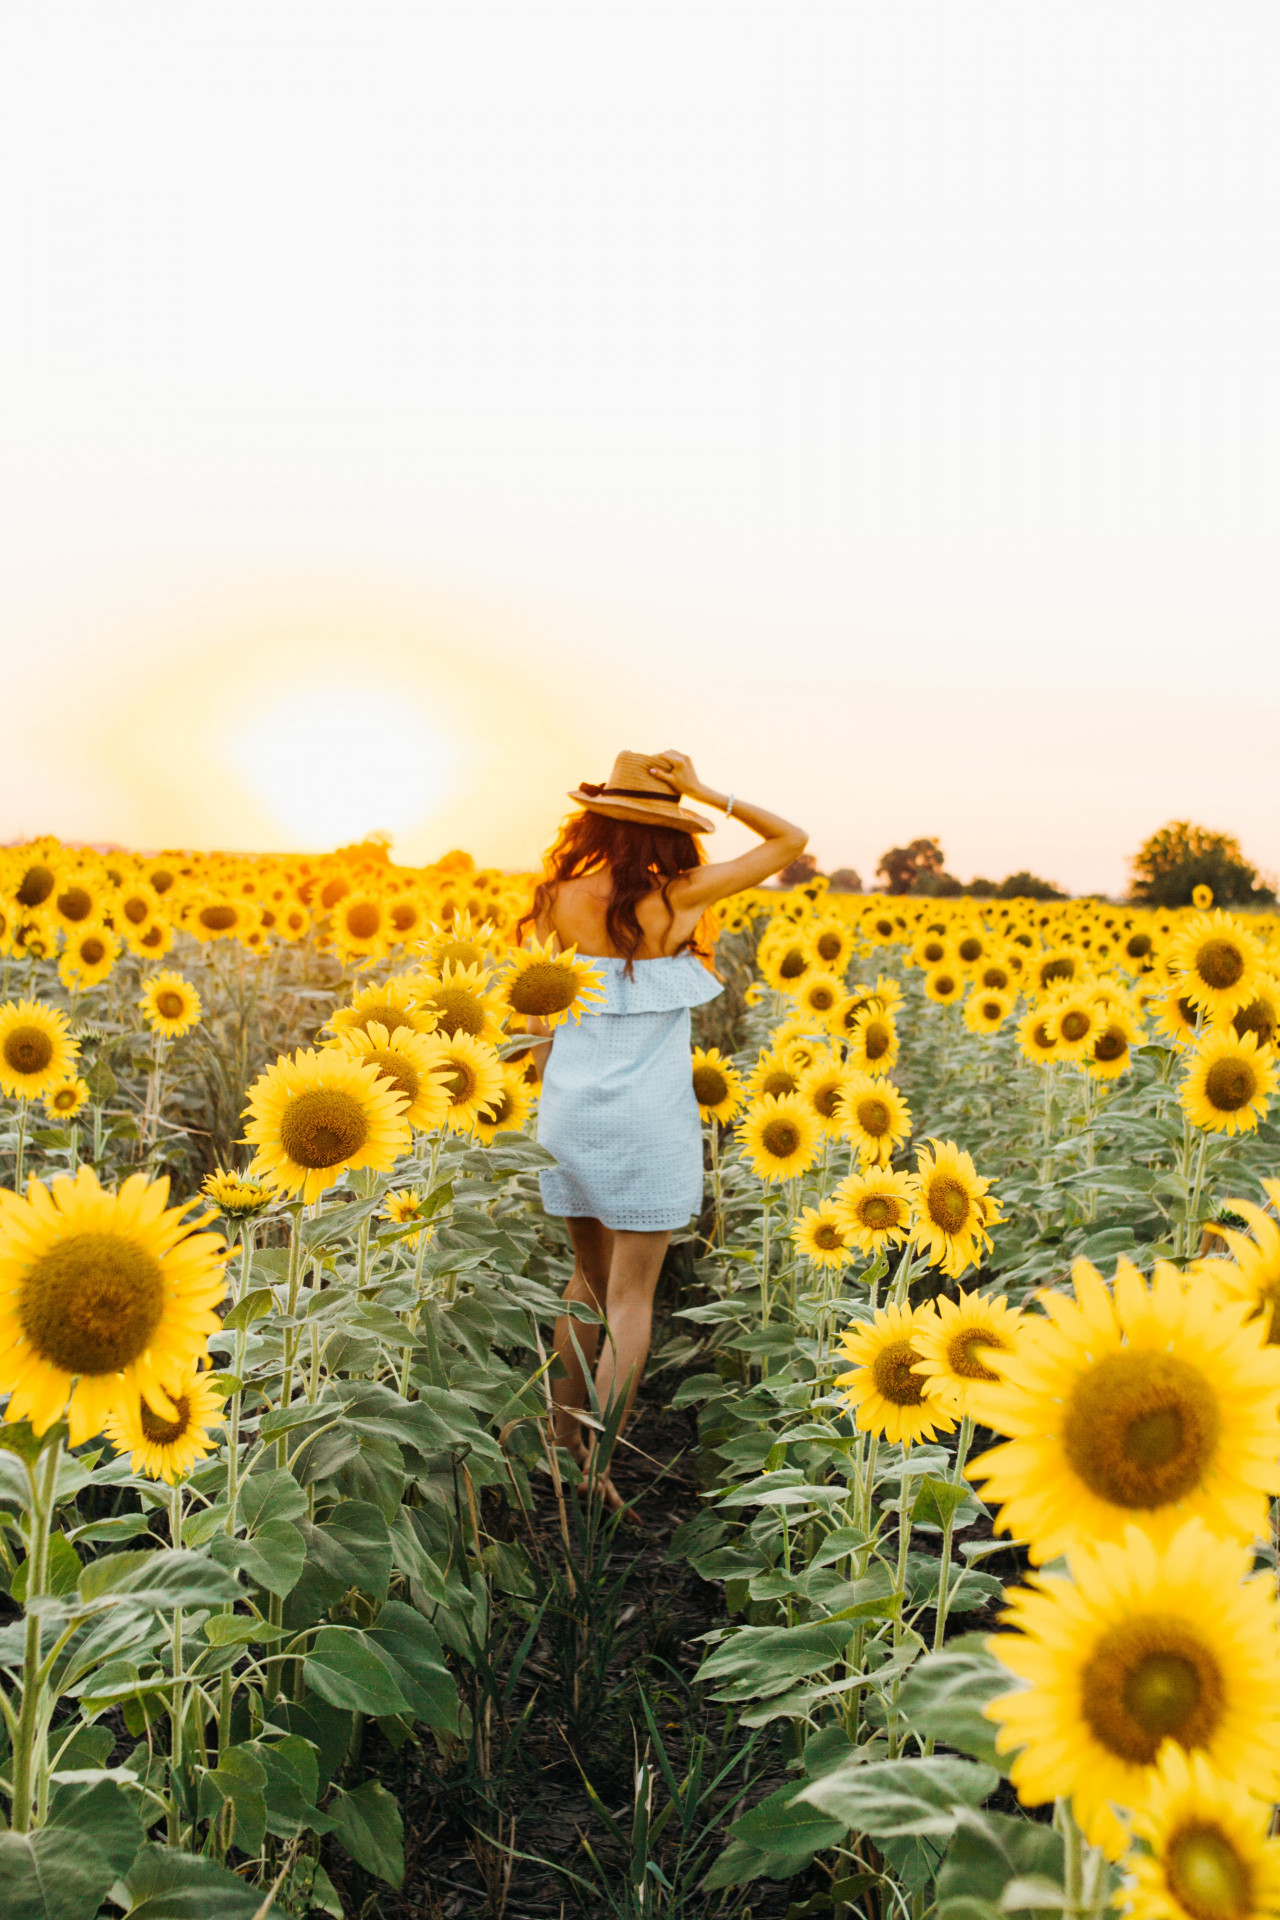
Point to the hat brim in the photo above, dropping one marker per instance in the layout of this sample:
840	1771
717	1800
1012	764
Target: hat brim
660	813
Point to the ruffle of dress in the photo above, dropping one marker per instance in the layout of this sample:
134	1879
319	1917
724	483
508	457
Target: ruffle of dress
655	986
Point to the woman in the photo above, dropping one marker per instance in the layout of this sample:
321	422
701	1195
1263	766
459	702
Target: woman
626	884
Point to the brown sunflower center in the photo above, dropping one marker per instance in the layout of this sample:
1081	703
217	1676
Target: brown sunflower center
153	937
828	1237
38	882
460	1083
1219	963
944	983
778	1080
970	949
991	1010
457	1011
162	1432
820	998
65	1099
1138	945
876	1039
1111	1044
792	964
877	1212
995	979
1230	1084
709	1085
964	1348
933	951
332	892
92	1302
501	1109
947	1202
1141	1429
323	1127
382	1016
75	904
170	1004
1258	1018
162	879
404	916
1043	1037
830	946
826	1098
892	1371
1206	1874
780	1138
873	1116
1074	1026
135	910
1151	1678
27	1050
218	918
543	988
363	920
396	1068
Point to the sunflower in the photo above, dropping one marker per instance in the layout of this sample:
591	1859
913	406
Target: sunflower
358	926
957	1346
458	945
1208	1855
1111	1052
824	1236
235	1195
820	993
986	1010
1057	967
36	1050
717	1085
876	1118
833	944
316	1116
780	1136
390	1005
1147	1407
100	1294
550	986
995	975
64	1101
1038	1036
78	900
473	1078
876	1205
403	1206
873	1042
954	1208
164	1446
512	1107
460	1004
886	1392
1214	961
1076	1021
1144	1644
409	1061
154	941
945	984
211	916
784	964
406	917
1254	1274
170	1004
773	1075
134	909
1176	1017
972	947
88	957
823	1087
931	950
1229	1082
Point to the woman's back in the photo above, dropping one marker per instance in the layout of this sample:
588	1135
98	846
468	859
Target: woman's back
577	913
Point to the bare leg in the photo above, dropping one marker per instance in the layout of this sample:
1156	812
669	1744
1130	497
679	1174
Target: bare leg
593	1248
633	1279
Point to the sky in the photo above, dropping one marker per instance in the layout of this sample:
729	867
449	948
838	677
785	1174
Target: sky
405	407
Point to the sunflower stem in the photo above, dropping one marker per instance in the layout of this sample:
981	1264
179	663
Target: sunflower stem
28	1761
900	1588
20	1162
290	1332
948	1528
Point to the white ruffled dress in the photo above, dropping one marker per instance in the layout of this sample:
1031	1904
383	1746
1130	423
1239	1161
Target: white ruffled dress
618	1109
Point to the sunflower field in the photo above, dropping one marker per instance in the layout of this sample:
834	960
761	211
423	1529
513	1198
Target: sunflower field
946	1580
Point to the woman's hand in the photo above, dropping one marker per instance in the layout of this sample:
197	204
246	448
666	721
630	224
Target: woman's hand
678	769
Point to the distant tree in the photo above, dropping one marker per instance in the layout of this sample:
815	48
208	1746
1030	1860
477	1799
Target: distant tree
901	867
845	880
981	889
938	886
1182	856
1029	886
798	872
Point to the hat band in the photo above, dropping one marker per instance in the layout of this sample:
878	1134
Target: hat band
625	793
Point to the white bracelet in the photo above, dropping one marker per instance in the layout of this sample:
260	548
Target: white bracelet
729	809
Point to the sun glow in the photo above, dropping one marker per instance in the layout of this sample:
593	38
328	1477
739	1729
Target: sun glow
331	763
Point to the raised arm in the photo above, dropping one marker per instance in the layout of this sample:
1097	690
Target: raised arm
780	842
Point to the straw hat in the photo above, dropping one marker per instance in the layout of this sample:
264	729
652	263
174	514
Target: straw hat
633	793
